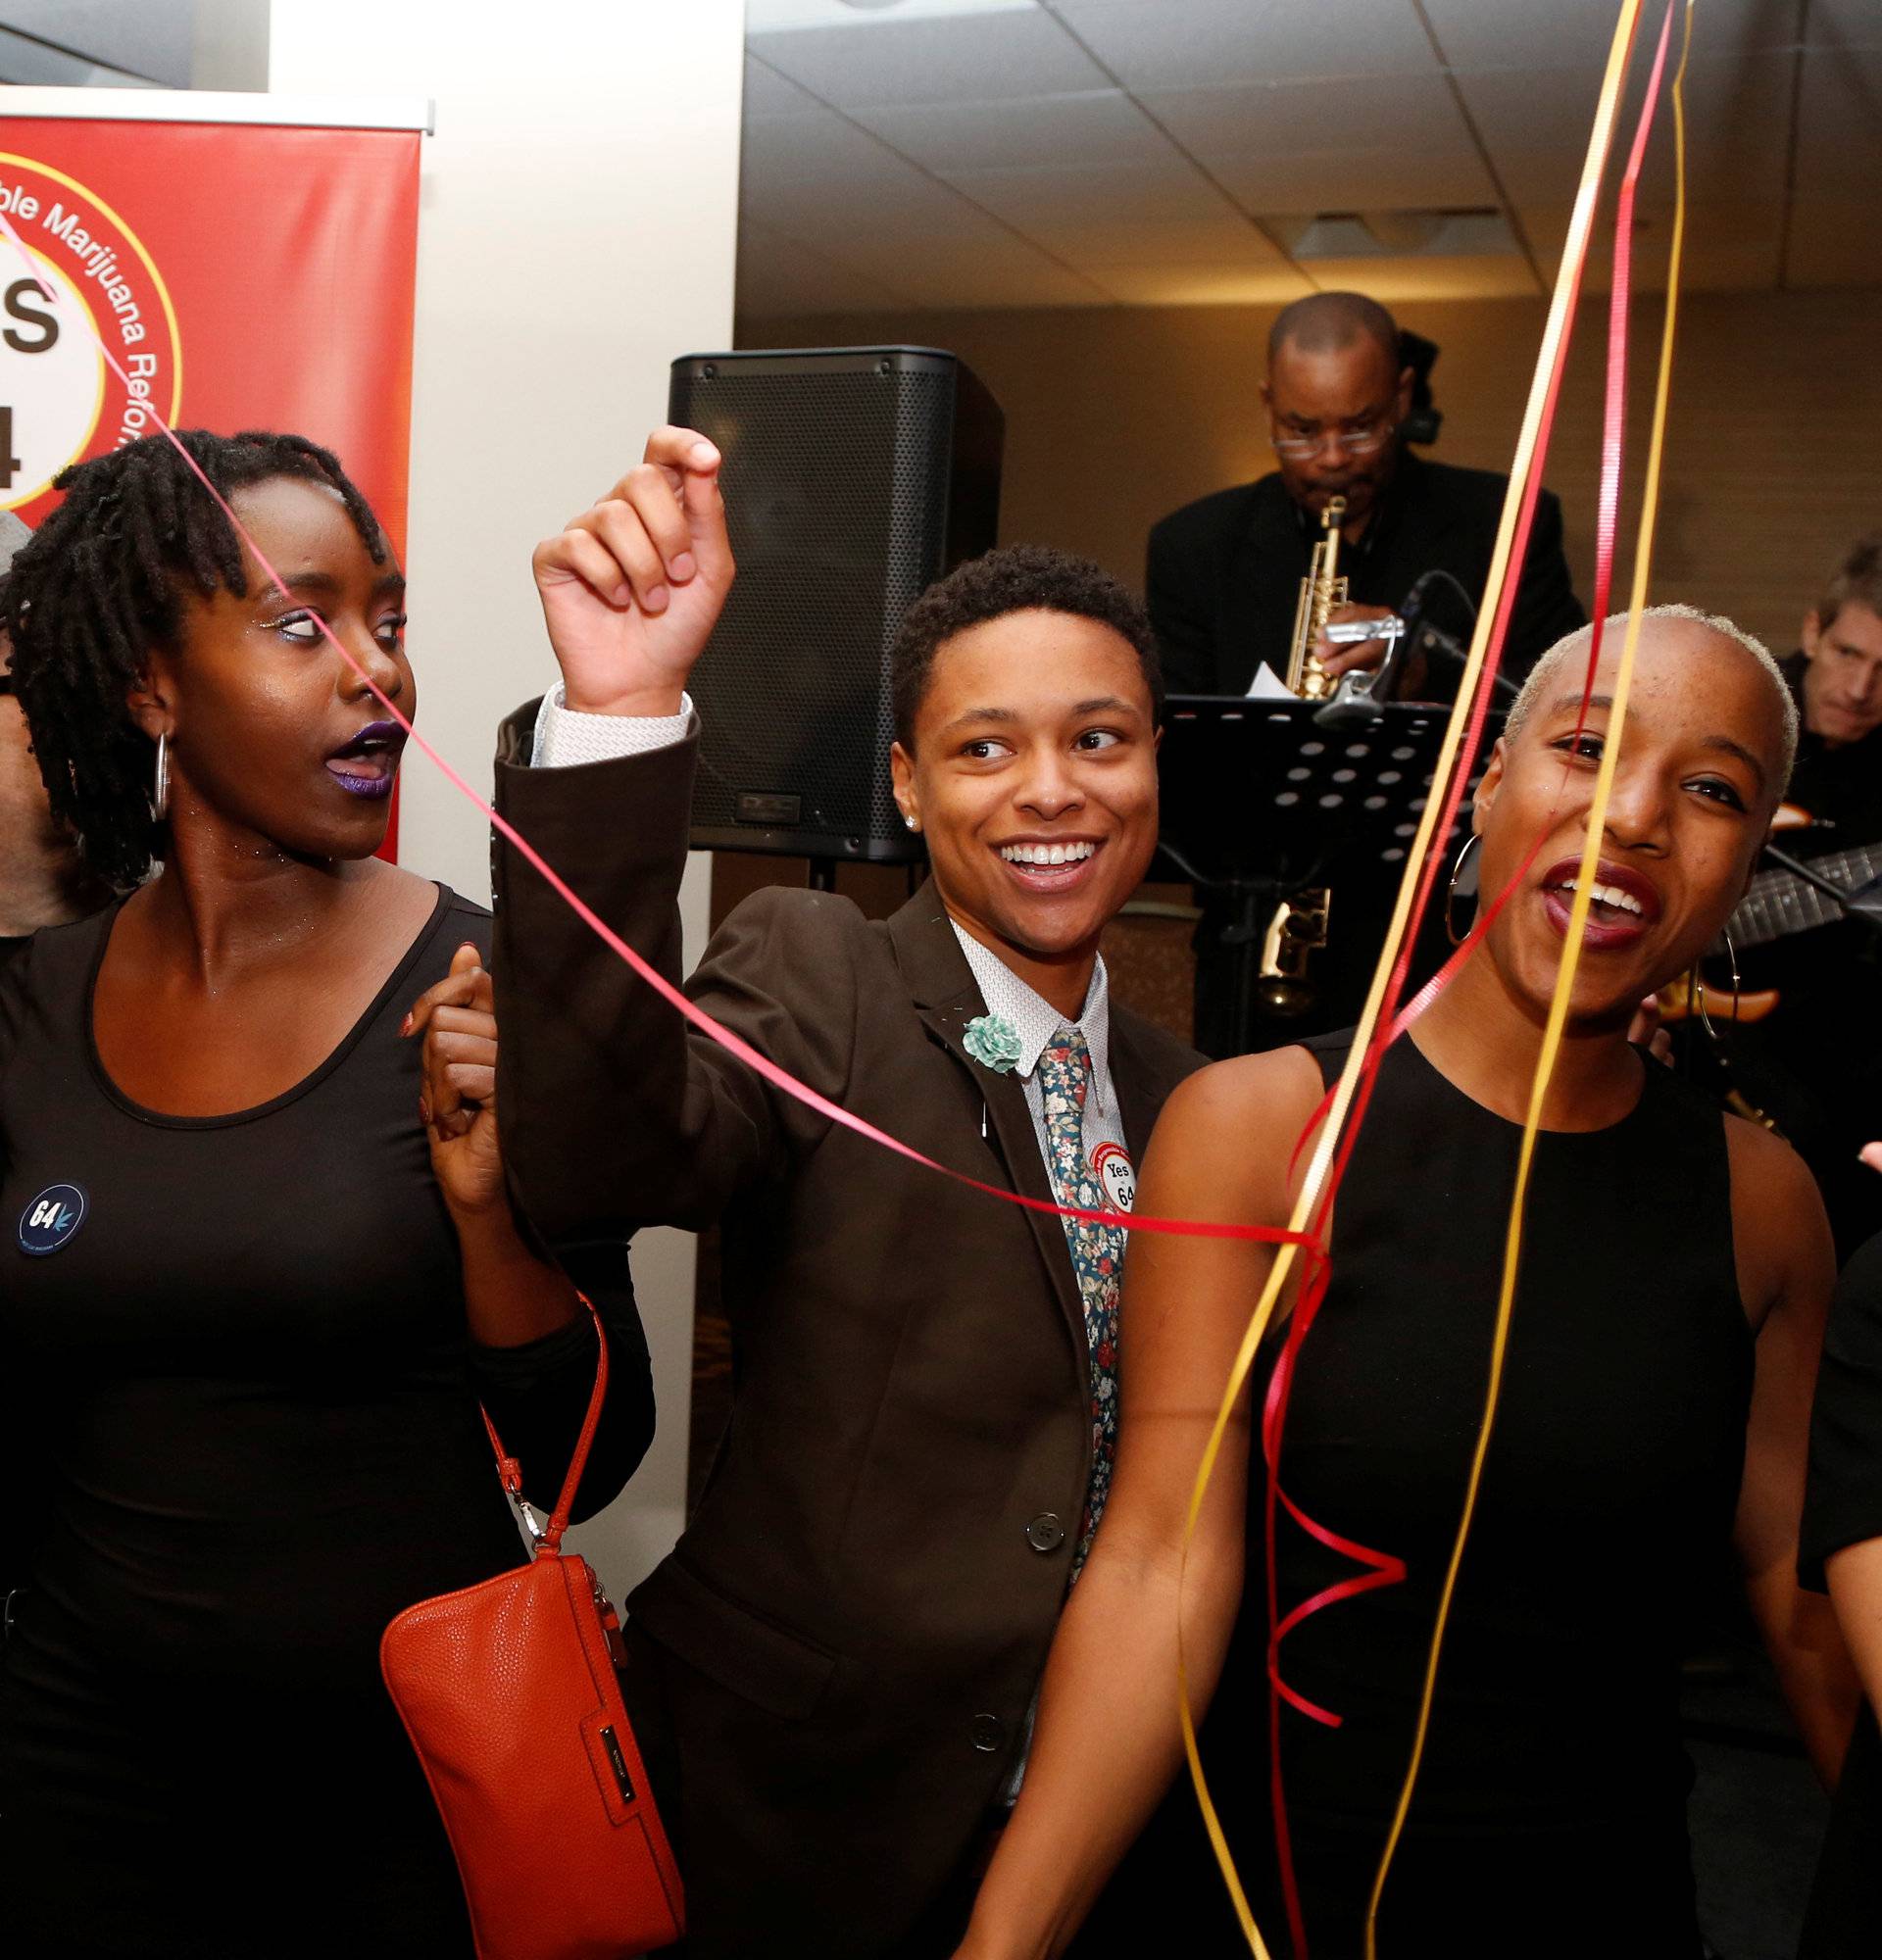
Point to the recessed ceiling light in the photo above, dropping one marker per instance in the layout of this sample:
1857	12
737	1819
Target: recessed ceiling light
1482	233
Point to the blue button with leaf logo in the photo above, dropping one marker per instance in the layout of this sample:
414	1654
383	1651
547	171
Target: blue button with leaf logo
48	1223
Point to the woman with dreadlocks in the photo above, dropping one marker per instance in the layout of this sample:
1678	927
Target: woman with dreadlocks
254	1290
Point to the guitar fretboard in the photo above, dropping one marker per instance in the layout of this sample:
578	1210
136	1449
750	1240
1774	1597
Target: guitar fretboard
1780	903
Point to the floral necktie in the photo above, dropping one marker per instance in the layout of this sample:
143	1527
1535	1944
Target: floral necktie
1097	1253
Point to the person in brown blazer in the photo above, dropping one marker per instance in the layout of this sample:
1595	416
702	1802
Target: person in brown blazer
836	1668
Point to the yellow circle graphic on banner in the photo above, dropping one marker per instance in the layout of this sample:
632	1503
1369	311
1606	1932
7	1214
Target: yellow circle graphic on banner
60	398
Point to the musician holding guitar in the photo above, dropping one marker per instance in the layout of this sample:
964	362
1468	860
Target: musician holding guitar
1826	1027
1806	1047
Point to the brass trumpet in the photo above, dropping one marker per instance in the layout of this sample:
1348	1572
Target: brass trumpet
1322	590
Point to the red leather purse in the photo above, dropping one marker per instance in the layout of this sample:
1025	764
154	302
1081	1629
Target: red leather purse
509	1692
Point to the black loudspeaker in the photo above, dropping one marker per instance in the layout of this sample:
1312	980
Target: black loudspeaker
853	478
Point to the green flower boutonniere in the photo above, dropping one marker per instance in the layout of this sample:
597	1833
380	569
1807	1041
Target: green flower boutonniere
992	1043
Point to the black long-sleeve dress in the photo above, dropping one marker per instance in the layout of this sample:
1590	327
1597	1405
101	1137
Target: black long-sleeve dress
242	1338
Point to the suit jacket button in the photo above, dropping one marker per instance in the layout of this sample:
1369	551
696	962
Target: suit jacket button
986	1733
1045	1533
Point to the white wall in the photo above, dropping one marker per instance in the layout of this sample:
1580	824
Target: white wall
576	230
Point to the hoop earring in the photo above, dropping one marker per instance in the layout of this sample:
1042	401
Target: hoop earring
160	789
1458	863
1699	980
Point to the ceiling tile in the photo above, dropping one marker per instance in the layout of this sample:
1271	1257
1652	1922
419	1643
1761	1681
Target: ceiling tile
809	151
1355	180
1839	130
777	275
1105	128
1004	272
1536	127
1728	247
1832	244
1391	279
986	285
1197	43
842	219
1213	284
1477	34
769	93
1278	117
1001	165
970	58
1094	194
1840	26
1102	248
764	16
817	176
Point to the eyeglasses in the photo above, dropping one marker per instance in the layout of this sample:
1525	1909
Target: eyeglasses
1361	441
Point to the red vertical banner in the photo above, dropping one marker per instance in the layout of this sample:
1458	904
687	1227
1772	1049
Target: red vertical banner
245	275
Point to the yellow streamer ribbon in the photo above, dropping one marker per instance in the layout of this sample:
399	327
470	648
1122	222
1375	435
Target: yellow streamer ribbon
1580	224
1564	977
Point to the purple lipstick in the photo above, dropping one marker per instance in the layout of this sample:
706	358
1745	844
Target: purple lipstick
369	765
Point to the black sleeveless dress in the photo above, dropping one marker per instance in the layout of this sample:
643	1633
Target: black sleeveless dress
243	1431
1550	1813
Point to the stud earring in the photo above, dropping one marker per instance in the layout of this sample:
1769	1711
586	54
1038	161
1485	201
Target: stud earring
911	822
159	787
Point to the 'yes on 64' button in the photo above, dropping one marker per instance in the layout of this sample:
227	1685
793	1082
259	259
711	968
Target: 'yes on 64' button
50	1220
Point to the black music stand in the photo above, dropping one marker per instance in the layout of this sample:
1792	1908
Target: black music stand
1260	801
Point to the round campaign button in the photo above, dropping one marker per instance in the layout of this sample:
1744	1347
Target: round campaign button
1115	1173
49	1221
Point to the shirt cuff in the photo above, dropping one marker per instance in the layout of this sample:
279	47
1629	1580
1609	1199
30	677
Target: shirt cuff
565	735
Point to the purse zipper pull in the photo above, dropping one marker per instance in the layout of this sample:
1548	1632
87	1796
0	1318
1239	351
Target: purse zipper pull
610	1624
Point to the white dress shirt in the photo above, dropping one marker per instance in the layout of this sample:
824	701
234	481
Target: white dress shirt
565	735
1035	1020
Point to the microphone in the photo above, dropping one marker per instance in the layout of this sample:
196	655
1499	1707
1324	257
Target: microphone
1360	696
1442	649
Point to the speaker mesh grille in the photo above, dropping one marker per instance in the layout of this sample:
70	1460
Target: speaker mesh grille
836	495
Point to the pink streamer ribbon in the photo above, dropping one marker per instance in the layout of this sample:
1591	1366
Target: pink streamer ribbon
779	1077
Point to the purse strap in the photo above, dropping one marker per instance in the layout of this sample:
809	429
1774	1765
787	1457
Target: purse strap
549	1537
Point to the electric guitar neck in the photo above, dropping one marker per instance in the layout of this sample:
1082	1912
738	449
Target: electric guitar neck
1780	903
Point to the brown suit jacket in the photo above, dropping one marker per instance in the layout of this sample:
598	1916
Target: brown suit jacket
852	1627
